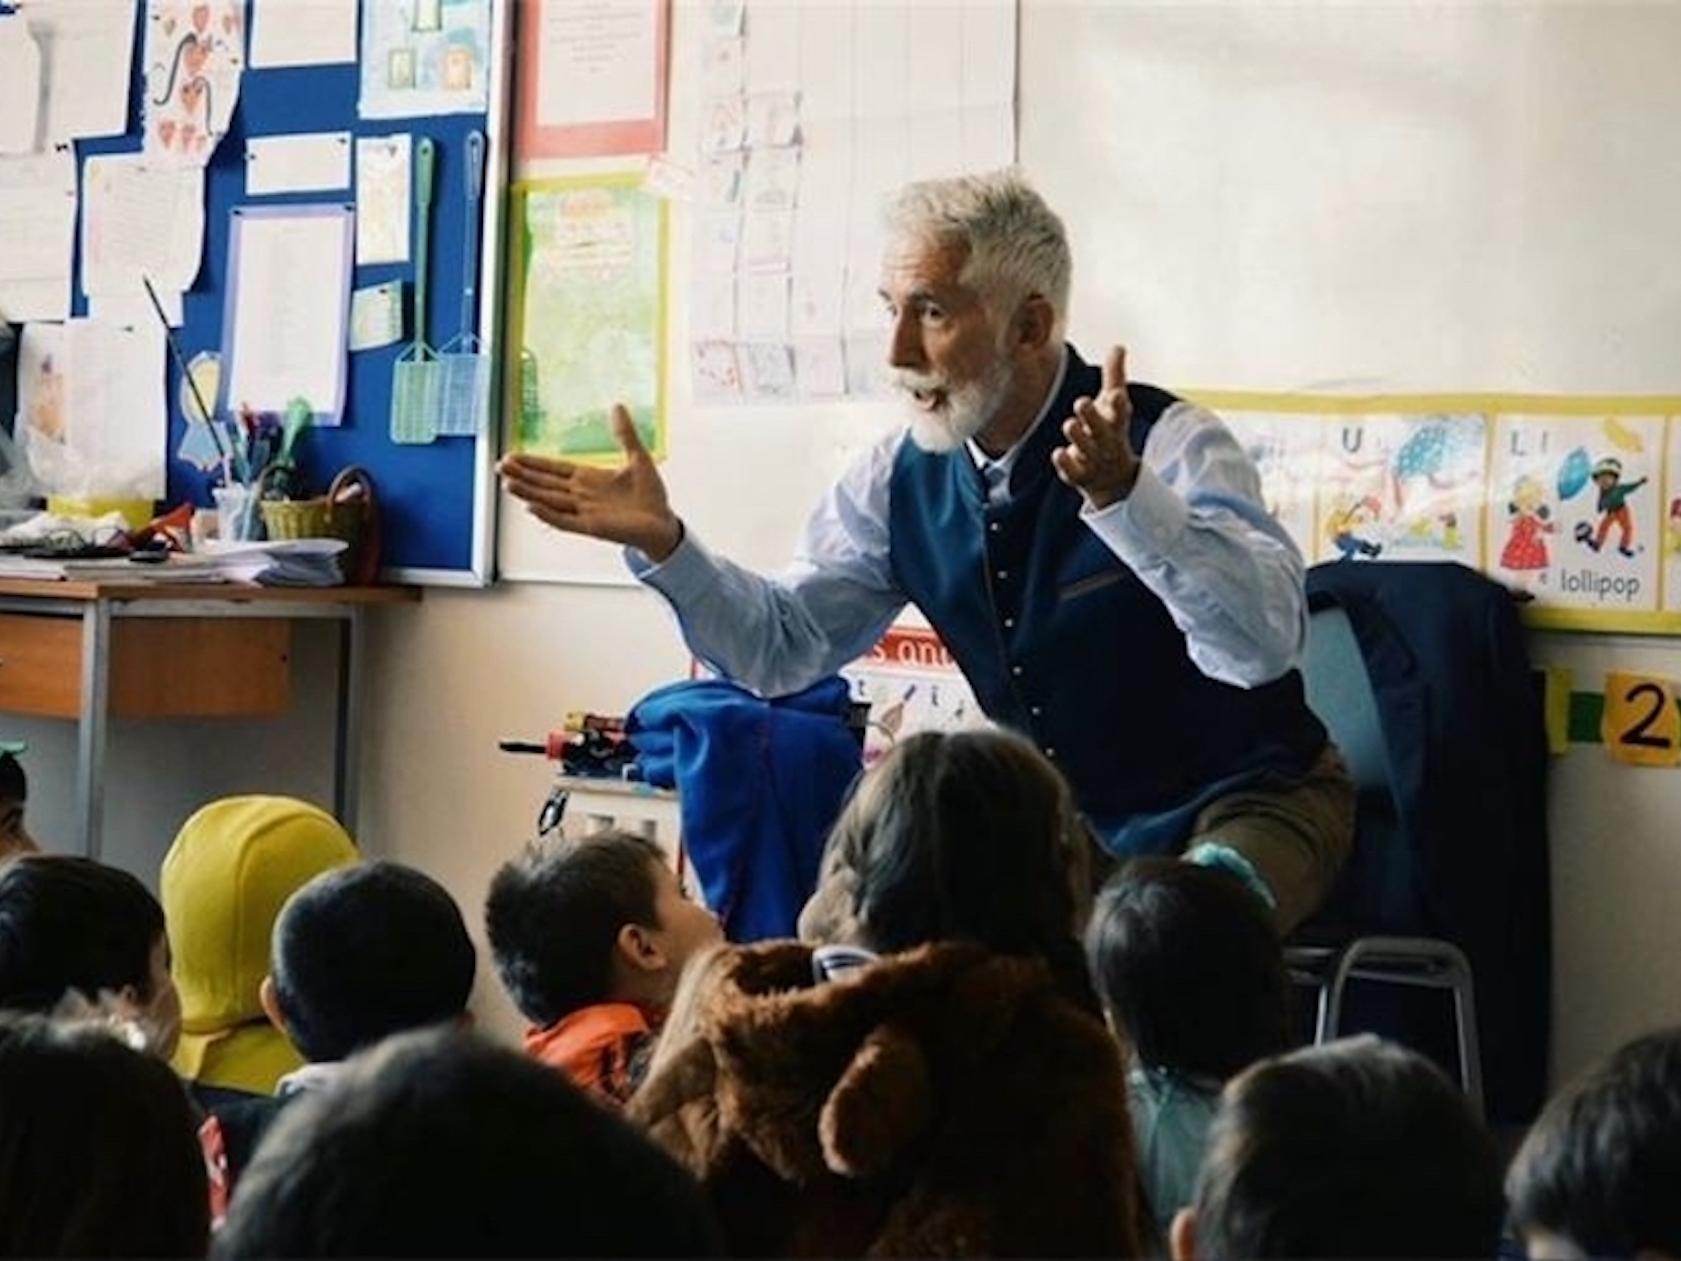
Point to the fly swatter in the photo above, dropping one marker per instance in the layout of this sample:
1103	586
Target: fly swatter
417	376
464	365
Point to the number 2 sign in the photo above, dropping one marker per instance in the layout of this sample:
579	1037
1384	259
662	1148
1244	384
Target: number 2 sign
1642	724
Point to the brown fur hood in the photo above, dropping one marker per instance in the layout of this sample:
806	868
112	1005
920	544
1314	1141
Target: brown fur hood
946	1101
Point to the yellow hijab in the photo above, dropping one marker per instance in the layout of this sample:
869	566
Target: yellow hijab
230	870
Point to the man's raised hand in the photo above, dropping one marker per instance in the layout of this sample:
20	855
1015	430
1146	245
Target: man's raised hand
625	505
1098	460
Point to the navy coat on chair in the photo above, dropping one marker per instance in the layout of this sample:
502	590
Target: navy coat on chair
1462	721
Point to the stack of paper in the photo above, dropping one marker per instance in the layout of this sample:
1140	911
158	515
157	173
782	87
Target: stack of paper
281	563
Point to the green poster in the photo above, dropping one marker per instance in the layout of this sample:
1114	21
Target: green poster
588	317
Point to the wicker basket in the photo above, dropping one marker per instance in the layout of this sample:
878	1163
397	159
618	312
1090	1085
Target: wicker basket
342	513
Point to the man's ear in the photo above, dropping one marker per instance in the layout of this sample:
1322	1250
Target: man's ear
1182	1236
269	997
1035	321
637	948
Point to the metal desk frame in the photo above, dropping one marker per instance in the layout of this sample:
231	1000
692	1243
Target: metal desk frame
97	605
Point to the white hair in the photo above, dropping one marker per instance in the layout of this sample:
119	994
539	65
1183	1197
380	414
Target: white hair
1017	245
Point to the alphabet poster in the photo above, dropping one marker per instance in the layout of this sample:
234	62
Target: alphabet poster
1575	501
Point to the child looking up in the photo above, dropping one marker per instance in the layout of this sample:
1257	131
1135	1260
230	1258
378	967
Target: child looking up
590	937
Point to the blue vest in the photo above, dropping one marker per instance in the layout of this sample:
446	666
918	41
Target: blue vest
1062	642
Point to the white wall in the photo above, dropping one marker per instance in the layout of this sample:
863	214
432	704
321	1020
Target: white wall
1397	197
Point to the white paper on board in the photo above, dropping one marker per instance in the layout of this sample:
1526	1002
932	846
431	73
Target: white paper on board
20	85
193	61
119	421
384	178
376	316
288	328
762	306
87	49
91	402
302	33
309	162
38	227
599	62
140	219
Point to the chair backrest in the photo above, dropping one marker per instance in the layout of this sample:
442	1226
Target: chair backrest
1379	890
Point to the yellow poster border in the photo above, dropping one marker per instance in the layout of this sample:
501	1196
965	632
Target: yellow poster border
1406	404
1496	407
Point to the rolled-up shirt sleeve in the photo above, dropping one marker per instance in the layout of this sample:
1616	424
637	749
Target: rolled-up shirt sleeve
1196	532
783	632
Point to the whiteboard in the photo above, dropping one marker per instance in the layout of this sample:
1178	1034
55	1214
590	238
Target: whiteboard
1367	198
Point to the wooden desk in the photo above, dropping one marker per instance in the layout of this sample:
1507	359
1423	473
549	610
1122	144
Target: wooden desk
90	651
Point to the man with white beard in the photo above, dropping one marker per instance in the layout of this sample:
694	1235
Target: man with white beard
1094	553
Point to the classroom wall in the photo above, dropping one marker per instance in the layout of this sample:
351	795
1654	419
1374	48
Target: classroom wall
1373	197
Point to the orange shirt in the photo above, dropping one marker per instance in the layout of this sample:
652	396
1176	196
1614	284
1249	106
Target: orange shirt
600	1048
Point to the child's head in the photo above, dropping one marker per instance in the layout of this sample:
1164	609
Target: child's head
1189	965
599	919
97	1151
969	836
73	925
230	870
1355	1149
1608	472
364	952
438	1144
1598	1173
14	794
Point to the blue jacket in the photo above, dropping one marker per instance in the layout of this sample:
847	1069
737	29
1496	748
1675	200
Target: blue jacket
761	783
1462	725
1061	641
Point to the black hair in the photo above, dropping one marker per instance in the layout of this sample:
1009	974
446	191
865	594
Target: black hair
366	951
554	914
73	924
1602	1164
439	1144
1189	963
968	836
14	785
98	1155
1359	1148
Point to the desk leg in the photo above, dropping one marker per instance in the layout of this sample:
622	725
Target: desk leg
347	747
91	729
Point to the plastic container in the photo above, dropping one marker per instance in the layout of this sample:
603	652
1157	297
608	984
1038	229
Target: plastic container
236	513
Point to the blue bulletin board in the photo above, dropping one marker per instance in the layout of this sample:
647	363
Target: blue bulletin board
437	505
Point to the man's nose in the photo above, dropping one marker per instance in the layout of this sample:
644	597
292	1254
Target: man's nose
904	350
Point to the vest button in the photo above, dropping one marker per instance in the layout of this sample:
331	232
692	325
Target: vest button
1050	754
1037	711
994	527
1009	623
1016	670
1002	574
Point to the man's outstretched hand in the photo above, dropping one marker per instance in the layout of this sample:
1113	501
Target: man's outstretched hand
625	505
1099	460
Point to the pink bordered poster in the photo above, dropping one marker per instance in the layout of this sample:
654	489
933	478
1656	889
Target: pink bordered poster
592	78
